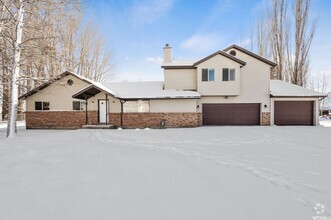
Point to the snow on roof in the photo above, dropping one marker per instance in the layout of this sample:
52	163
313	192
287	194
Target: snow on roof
187	63
281	88
146	90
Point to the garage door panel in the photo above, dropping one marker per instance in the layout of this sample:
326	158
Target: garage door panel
294	113
231	114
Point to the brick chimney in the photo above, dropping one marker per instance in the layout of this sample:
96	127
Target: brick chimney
167	54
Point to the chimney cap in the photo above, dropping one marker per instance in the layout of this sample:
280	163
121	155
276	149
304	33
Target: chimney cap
167	45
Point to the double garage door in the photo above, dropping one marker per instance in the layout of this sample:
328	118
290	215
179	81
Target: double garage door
294	113
231	114
285	113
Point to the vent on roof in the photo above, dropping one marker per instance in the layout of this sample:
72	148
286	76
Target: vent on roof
233	52
70	82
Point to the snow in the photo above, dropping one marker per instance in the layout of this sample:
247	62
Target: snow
281	88
147	90
253	172
326	122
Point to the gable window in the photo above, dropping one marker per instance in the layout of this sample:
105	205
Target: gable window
78	105
229	74
208	75
41	106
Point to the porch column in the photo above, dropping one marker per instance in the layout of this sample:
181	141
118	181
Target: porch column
107	113
86	113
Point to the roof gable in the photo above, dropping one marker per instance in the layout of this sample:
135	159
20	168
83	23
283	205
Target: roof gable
51	81
258	57
222	53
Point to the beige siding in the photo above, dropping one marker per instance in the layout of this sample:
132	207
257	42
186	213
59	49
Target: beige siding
173	105
316	107
184	79
57	94
114	104
219	87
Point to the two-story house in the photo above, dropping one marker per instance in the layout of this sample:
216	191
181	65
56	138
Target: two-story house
229	87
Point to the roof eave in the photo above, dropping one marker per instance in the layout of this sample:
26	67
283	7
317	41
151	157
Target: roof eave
262	59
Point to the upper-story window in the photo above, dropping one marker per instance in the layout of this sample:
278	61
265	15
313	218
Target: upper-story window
229	74
41	106
208	75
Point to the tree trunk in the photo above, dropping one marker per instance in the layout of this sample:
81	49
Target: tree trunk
11	128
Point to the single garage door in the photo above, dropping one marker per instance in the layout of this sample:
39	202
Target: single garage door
294	113
231	114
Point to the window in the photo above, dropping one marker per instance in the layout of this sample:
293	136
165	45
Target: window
78	105
136	106
208	75
41	106
229	74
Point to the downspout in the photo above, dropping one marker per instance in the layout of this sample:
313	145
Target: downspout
86	113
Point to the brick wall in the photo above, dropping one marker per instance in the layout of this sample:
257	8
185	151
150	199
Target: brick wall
152	120
59	119
266	118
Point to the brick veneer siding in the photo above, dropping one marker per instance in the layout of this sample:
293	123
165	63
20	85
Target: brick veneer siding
266	118
152	120
59	119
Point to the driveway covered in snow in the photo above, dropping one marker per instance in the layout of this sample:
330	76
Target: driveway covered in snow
196	173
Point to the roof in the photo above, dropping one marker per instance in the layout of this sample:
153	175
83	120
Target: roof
280	88
51	81
234	46
179	64
222	53
147	90
190	64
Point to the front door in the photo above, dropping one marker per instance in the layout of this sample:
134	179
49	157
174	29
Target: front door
103	111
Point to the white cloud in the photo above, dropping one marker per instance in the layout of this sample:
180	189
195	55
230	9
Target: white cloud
155	60
245	43
202	42
148	11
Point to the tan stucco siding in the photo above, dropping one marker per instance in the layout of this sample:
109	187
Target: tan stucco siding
173	105
114	104
218	86
184	79
316	107
58	94
255	82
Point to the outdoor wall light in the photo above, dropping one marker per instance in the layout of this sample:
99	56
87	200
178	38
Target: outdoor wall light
198	106
265	106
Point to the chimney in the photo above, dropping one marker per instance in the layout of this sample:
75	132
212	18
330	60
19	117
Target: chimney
167	53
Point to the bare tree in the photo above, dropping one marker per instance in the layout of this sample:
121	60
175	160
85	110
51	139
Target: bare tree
291	53
302	42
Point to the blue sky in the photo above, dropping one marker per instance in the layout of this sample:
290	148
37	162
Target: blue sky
136	31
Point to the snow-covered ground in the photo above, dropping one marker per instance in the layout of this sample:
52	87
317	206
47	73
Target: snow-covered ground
198	173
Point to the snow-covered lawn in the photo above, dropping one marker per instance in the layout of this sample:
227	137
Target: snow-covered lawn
198	173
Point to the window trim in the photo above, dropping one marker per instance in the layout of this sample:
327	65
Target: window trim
43	104
208	74
229	78
81	105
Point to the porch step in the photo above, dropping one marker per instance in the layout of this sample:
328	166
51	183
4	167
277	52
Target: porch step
98	127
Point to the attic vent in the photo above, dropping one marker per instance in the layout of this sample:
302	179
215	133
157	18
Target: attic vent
233	52
70	82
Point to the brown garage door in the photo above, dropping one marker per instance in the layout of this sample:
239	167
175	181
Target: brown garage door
231	114
294	112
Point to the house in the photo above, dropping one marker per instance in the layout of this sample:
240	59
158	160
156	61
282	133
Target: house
229	87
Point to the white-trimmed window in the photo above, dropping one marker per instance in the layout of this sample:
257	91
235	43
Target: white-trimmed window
208	75
41	106
229	74
79	105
